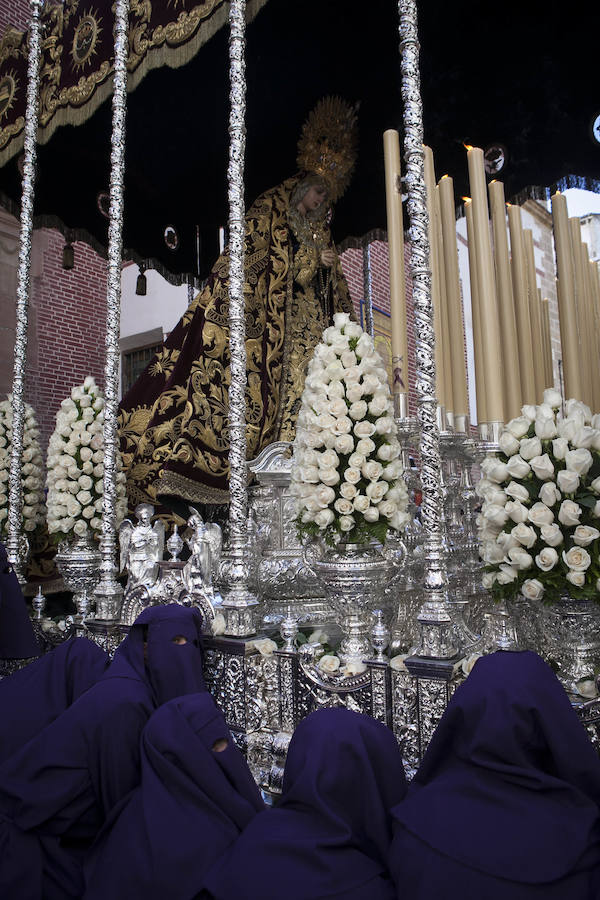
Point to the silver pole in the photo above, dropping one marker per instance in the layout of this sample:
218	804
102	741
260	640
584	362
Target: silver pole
434	619
238	602
16	545
108	592
368	290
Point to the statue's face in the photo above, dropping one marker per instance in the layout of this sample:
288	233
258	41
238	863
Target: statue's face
312	199
145	516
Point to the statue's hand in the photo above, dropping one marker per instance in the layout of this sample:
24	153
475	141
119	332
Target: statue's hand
327	258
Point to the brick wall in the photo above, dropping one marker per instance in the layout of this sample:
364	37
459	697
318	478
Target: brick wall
15	13
67	325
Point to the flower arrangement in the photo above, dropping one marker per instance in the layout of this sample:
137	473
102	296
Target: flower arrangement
346	471
75	466
32	481
539	527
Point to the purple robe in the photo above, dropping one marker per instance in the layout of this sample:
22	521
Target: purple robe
330	834
17	639
192	803
36	695
62	785
505	802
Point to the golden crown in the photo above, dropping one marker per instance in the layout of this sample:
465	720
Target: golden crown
328	143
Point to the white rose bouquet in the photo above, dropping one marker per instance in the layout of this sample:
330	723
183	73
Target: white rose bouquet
346	471
75	466
539	527
32	480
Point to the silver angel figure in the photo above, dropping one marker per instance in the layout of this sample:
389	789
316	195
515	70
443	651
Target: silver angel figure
205	544
142	547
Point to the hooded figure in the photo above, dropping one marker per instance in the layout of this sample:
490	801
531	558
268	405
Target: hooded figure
17	640
505	803
330	834
195	797
36	695
61	786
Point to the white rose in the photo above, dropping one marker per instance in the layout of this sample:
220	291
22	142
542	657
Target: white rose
358	410
596	509
372	470
517	467
488	579
364	429
80	528
560	447
506	539
546	559
385	425
361	503
329	438
524	534
309	474
329	663
326	420
348	491
497	471
344	443
365	446
532	589
329	476
595	485
507	574
577	559
508	443
515	510
393	470
542	466
584	437
387	452
552	398
379	404
357	460
84	497
353	668
528	412
353	330
346	523
352	475
218	625
323	495
352	376
88	512
335	389
354	392
584	535
579	461
348	358
85	482
96	442
370	383
492	553
324	518
539	514
376	490
530	447
343	425
549	493
265	646
576	578
343	506
520	558
518	491
73	507
329	459
567	481
334	371
336	408
371	514
567	427
545	429
569	513
519	426
387	508
552	534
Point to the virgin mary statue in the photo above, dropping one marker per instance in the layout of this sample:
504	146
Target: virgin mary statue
173	422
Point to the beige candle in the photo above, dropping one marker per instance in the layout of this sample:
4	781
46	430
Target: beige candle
595	294
547	345
435	278
535	316
444	313
395	230
506	303
567	310
519	280
590	324
480	392
455	309
580	306
490	322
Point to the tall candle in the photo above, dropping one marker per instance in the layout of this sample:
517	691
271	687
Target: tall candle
393	196
567	312
435	278
455	309
490	323
584	347
480	391
521	297
444	313
547	345
590	326
506	303
534	313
